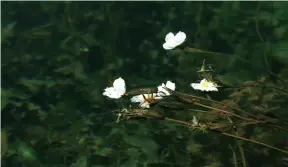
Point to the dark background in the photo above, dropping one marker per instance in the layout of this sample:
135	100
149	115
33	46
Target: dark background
57	57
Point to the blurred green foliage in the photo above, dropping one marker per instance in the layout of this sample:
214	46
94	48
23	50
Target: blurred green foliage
57	57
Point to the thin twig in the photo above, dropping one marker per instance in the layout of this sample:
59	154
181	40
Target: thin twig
253	141
224	111
227	134
241	152
234	156
258	85
214	101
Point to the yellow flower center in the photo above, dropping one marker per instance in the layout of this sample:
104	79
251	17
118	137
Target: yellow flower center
205	84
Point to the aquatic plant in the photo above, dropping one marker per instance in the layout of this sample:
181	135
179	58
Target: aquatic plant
228	118
57	58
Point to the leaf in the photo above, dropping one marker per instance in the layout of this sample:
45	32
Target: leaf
79	71
81	162
228	79
31	84
4	142
133	157
5	95
270	96
63	57
280	31
49	8
64	70
90	40
20	94
32	106
194	148
34	84
27	153
147	145
7	31
104	151
17	104
280	52
265	16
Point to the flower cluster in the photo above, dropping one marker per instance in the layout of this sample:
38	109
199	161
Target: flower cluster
171	41
119	89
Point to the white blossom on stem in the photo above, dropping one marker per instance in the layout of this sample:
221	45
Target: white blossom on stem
205	85
117	91
162	91
171	40
145	99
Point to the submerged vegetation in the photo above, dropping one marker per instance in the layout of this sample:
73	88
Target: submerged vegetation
224	102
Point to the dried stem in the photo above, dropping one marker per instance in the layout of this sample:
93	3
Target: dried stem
253	141
127	114
227	134
141	91
259	85
226	112
192	98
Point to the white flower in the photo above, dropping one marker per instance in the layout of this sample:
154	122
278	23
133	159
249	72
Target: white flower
205	85
118	89
172	41
162	91
195	121
145	99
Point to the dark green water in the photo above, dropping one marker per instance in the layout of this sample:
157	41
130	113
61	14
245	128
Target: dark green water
58	57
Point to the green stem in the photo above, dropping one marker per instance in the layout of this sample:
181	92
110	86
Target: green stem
241	152
234	156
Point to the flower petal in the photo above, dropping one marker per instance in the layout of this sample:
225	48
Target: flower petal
162	91
172	41
205	85
203	82
179	38
195	121
168	45
195	86
111	93
212	87
170	85
144	105
158	97
170	36
119	86
137	99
